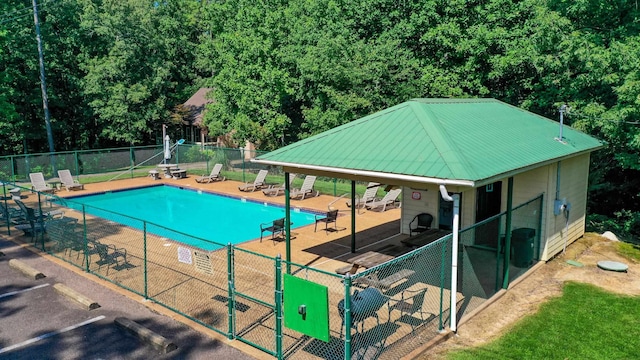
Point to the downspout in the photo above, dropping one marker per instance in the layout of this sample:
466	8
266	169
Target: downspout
454	254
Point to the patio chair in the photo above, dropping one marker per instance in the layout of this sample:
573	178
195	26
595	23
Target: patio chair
388	200
63	233
258	183
36	213
420	223
10	214
38	184
213	176
364	304
68	181
32	222
368	196
276	227
275	191
411	302
306	189
109	255
330	217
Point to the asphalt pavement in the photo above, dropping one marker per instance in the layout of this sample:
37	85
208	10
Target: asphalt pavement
37	322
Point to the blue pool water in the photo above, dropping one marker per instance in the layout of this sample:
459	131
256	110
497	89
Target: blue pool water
178	211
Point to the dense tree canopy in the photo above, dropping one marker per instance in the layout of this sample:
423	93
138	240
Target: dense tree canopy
285	70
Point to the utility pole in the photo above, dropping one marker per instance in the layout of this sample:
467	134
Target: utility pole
43	82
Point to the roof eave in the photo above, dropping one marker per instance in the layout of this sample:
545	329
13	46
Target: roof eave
369	174
515	172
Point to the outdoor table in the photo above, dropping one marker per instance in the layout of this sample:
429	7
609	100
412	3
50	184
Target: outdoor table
55	183
370	259
167	169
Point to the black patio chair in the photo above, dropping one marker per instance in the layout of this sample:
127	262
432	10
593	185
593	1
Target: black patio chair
330	217
276	227
420	223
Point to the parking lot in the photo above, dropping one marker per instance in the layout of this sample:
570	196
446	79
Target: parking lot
36	321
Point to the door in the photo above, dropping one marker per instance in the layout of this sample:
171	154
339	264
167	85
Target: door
488	202
445	213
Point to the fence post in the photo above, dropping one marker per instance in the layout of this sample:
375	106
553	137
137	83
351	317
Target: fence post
13	166
230	290
443	261
86	238
507	238
131	160
278	309
242	157
144	250
39	221
539	230
4	192
77	161
347	317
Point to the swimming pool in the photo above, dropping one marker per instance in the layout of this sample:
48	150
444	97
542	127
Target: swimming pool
217	218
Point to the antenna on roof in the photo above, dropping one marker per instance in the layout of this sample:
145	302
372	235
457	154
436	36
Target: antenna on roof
562	110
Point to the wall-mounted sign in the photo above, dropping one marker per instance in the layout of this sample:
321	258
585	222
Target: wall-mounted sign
416	195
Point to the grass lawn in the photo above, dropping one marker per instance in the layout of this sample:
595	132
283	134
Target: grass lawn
585	323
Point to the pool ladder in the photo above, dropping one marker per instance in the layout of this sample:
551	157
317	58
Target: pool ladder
342	197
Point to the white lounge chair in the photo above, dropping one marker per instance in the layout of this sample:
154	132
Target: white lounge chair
214	176
388	200
368	196
258	183
306	190
38	184
68	181
275	191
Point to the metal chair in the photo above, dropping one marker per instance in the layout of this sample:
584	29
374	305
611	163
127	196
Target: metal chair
331	217
422	223
275	228
410	303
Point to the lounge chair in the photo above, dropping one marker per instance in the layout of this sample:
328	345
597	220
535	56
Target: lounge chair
368	196
388	200
258	183
38	184
275	191
306	190
420	223
68	181
213	176
331	217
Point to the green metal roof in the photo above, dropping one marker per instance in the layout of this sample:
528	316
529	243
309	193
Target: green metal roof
456	139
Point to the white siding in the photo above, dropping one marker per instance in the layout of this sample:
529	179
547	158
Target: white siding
410	208
429	202
574	175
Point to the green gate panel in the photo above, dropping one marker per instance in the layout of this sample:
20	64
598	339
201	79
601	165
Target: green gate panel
306	307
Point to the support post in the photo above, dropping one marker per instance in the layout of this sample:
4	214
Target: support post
230	286
287	220
353	216
347	317
146	270
507	238
278	308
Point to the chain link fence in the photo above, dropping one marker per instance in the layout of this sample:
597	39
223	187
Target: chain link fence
384	312
122	163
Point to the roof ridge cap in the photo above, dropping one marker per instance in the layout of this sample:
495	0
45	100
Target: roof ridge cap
445	147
